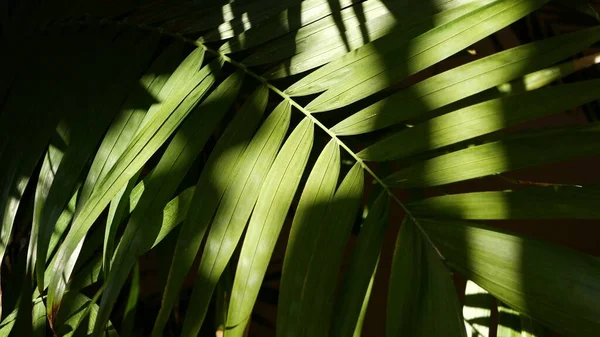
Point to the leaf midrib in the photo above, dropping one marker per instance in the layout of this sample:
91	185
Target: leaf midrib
285	97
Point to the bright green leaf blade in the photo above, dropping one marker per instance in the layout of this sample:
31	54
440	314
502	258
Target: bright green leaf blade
361	268
312	37
534	277
265	225
471	78
116	211
321	276
39	318
421	297
233	212
174	213
316	195
176	84
532	81
122	130
78	315
126	95
481	119
531	203
145	222
164	122
8	323
50	165
218	173
283	23
363	72
404	22
499	157
477	310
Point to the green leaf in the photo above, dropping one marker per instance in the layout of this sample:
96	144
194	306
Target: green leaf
233	212
360	271
481	119
8	323
471	78
86	127
554	285
497	157
405	21
311	38
154	133
477	310
363	72
128	324
33	122
363	311
218	173
120	134
530	203
421	297
262	12
532	81
265	224
39	318
50	165
321	274
310	214
116	211
78	316
144	225
285	22
174	213
87	275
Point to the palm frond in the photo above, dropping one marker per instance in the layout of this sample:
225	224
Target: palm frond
199	123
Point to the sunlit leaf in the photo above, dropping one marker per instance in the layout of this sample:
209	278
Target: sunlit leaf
399	21
310	214
155	132
498	157
233	212
265	224
363	72
145	222
218	173
555	285
531	203
481	119
471	78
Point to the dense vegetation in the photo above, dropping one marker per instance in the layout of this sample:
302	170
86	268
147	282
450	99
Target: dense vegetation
171	148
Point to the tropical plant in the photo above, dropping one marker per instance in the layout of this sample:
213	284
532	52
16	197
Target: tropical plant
197	131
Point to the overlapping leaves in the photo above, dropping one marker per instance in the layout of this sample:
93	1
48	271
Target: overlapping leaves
130	141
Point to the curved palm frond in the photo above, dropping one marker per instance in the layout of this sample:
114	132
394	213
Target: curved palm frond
226	123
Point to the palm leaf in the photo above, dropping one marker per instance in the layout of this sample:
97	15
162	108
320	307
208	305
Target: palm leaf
121	127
